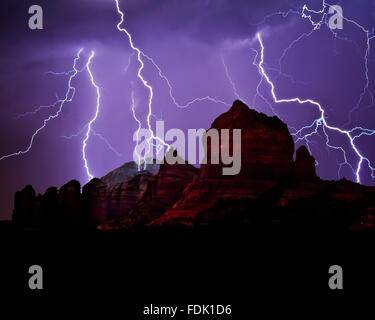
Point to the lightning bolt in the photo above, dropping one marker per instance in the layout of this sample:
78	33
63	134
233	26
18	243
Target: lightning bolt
58	100
306	13
126	68
88	127
319	125
369	36
189	103
320	121
139	158
139	55
258	93
36	110
96	134
97	109
69	95
231	80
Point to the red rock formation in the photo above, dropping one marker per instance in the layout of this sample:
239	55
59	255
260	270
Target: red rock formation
266	162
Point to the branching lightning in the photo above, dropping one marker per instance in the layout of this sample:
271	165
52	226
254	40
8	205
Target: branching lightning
308	131
69	95
306	13
36	110
231	80
139	158
189	103
318	122
318	126
96	134
58	100
68	98
301	134
139	55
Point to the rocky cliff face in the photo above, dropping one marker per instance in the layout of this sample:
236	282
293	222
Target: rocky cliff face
271	188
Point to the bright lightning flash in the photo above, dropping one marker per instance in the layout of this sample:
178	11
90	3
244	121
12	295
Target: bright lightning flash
69	95
139	54
321	121
89	129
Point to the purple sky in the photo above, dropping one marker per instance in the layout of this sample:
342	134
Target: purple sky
187	39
